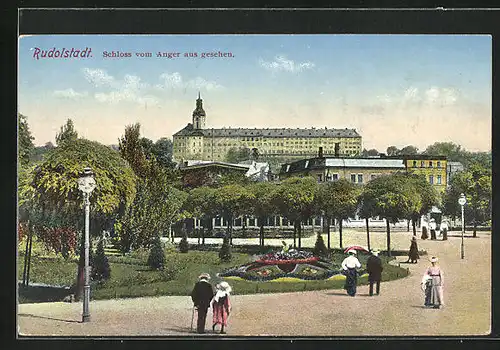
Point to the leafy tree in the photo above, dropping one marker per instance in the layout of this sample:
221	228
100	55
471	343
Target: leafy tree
232	201
367	207
67	133
147	146
163	150
39	152
408	150
156	258
393	197
319	246
429	197
392	151
369	153
236	155
262	204
225	254
295	199
25	139
476	184
131	149
101	270
200	205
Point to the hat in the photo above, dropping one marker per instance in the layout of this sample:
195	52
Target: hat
414	238
375	252
224	286
434	259
352	251
204	276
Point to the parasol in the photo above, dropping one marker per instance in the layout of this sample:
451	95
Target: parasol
355	247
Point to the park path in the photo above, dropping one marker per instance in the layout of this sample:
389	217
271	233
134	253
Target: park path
397	311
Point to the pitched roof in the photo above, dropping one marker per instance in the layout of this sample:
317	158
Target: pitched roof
188	130
316	163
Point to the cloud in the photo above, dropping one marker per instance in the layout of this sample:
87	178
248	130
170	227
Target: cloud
98	77
442	96
70	94
175	81
281	63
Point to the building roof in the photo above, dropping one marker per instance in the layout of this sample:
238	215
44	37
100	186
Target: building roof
188	130
342	162
196	164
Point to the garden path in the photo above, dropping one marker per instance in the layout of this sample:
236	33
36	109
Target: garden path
397	311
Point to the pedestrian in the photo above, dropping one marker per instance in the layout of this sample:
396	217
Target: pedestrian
201	295
349	266
221	306
434	292
374	268
413	253
433	228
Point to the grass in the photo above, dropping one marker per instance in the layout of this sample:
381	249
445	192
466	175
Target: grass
131	277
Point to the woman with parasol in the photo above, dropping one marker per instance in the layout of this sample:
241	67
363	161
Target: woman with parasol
349	265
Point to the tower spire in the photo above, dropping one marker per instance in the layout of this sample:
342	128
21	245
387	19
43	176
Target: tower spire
199	98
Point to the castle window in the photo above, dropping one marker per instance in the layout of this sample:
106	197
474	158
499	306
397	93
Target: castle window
431	179
422	164
414	163
439	179
439	164
430	163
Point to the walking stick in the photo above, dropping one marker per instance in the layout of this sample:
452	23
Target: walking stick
192	317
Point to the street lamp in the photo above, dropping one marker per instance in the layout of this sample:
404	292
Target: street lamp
462	202
86	184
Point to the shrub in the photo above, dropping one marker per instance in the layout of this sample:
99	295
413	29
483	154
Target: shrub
156	259
101	270
320	247
225	251
184	245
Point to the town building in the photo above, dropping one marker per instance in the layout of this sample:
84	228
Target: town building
434	168
195	141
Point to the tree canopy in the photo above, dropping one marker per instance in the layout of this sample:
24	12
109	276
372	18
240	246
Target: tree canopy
25	139
67	133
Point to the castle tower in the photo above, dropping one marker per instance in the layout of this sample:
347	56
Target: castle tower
199	114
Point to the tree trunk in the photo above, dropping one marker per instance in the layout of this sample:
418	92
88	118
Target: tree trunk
408	224
300	233
388	237
367	234
474	229
340	234
26	255
203	235
295	234
414	227
30	250
328	222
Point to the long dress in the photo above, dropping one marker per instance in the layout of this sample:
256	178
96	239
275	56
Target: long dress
220	310
351	281
434	290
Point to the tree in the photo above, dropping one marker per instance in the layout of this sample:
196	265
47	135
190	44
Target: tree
295	199
408	151
366	210
156	258
200	205
25	139
429	197
39	152
163	150
393	197
236	155
101	270
131	149
392	151
262	204
225	254
232	201
67	133
476	184
184	245
319	246
370	153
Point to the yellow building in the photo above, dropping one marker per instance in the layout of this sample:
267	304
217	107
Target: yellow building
197	142
433	167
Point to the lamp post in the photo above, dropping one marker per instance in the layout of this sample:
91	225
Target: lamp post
462	200
86	184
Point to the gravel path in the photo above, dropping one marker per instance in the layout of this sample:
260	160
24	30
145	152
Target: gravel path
397	311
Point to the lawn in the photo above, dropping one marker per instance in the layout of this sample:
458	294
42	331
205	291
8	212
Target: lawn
131	277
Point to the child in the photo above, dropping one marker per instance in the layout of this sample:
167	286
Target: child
221	306
426	286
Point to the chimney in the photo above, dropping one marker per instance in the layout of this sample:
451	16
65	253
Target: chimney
320	152
337	149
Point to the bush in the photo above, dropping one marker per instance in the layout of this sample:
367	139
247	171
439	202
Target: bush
184	245
101	270
320	247
156	259
225	251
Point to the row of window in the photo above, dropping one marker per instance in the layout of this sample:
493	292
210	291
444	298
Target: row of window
438	180
422	164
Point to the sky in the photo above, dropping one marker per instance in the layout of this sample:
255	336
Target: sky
393	89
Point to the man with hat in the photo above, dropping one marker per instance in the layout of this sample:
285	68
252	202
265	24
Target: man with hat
374	268
201	295
349	266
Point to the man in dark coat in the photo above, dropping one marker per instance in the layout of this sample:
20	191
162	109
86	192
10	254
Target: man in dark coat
374	268
202	295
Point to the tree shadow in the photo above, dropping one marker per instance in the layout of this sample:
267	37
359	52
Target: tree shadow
49	318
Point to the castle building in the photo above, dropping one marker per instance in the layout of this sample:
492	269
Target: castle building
195	141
